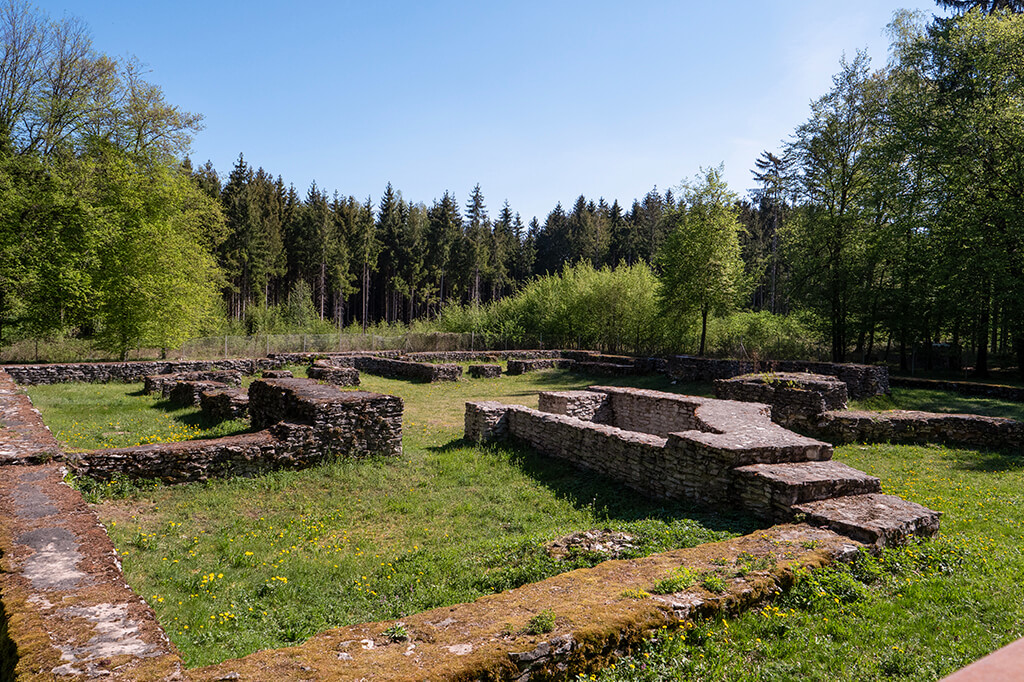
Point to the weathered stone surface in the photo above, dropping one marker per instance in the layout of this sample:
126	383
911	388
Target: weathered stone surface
486	421
862	381
400	369
322	370
277	374
191	392
485	371
907	426
228	403
874	519
128	372
795	397
517	367
24	439
661	444
771	490
354	423
162	384
71	616
591	406
608	369
611	544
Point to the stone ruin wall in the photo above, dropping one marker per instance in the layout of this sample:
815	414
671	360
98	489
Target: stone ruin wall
128	372
300	424
815	405
703	451
862	381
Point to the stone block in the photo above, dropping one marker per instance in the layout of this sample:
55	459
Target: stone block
485	371
229	403
874	519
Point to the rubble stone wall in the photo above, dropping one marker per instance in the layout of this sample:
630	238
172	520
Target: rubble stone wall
516	366
163	383
321	370
907	426
399	369
795	397
862	381
128	372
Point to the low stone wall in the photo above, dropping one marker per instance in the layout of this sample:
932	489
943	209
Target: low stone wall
1013	393
321	370
862	381
302	423
905	426
398	369
485	371
162	384
128	372
190	393
704	451
516	367
795	397
353	423
24	438
229	403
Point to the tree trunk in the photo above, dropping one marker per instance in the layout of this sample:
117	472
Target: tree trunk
703	329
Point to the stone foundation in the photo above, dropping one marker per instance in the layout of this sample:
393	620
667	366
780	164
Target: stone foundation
698	450
516	367
795	397
862	381
485	371
163	384
321	370
906	426
128	372
399	369
228	403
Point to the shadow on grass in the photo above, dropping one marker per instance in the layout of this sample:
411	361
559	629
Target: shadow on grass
945	402
611	500
987	461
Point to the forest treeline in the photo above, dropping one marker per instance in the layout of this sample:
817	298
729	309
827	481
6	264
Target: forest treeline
890	220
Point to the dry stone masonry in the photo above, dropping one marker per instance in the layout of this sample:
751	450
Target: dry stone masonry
862	381
322	370
128	372
485	371
163	384
816	405
225	403
796	398
704	451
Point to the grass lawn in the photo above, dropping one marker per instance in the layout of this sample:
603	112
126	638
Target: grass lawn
232	566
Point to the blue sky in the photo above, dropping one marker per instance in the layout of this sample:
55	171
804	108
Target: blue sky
539	102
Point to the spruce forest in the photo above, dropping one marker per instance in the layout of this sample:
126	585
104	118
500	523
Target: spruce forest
890	221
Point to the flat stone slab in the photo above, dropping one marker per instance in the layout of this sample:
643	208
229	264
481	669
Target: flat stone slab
24	439
874	519
73	615
797	482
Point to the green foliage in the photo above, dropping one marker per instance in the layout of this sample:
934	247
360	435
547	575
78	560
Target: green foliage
396	633
700	269
679	580
542	623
